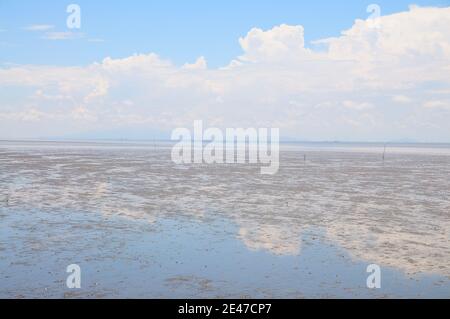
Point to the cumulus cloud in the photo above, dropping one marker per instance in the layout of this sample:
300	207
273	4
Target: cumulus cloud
361	84
279	43
199	64
417	32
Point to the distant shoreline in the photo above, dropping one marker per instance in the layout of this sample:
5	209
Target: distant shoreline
286	142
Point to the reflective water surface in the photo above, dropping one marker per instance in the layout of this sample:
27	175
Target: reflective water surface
141	226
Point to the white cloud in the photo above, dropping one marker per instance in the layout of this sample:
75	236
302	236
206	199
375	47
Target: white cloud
39	27
357	106
418	32
352	88
437	104
401	99
66	35
278	43
82	113
200	64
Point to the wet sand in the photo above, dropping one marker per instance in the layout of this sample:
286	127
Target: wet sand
141	226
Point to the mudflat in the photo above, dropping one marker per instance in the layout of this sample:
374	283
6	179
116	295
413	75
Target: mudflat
141	226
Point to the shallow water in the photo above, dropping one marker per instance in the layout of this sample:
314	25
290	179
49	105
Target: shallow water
141	226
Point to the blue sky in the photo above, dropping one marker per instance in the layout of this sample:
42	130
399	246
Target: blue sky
144	68
177	30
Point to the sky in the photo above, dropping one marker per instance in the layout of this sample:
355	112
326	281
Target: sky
318	70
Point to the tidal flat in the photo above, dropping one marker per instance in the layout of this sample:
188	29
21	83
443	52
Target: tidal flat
140	226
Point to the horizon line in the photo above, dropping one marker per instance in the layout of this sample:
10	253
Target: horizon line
282	141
